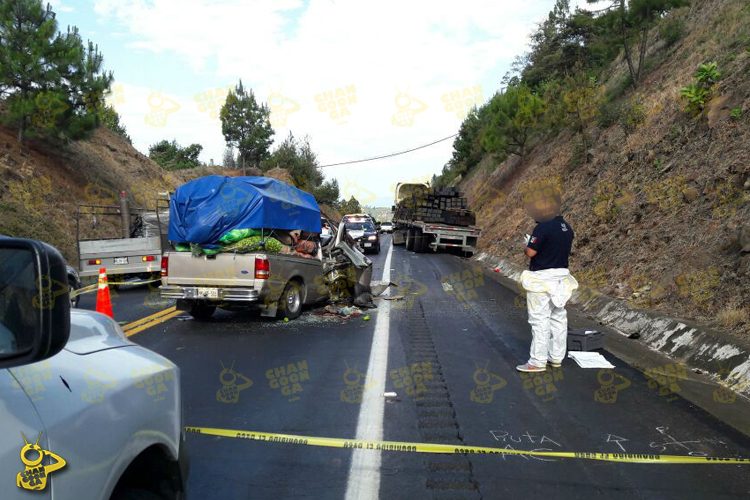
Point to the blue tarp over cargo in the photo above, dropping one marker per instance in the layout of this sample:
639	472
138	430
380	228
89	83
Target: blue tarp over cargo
202	210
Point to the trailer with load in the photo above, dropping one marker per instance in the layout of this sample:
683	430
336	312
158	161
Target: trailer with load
429	219
126	240
254	242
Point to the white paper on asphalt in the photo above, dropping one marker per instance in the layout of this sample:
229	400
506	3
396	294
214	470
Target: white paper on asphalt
590	359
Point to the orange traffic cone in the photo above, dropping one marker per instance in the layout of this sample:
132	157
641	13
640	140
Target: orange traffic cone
103	302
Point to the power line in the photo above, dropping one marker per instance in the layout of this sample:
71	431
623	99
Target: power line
390	155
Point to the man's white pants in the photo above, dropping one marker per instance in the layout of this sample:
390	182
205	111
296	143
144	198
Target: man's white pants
547	292
549	328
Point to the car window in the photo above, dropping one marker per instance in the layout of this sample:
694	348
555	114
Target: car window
18	289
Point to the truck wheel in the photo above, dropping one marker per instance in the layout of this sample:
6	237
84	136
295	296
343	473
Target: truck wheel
419	238
201	311
398	239
410	239
425	243
290	302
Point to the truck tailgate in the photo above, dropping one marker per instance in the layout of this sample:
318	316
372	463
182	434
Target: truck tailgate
224	269
119	247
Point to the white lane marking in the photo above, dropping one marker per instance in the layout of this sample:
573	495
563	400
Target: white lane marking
364	472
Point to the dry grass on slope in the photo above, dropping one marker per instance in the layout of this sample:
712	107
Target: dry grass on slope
658	209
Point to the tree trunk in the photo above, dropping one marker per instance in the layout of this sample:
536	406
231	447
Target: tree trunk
21	129
626	45
643	49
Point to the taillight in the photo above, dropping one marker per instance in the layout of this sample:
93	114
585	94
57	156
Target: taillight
165	266
148	258
262	269
95	262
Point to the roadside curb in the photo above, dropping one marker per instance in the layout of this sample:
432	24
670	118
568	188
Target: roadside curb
727	363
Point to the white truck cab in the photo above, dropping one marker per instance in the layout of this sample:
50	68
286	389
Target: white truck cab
85	413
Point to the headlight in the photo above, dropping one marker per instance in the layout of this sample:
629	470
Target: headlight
372	238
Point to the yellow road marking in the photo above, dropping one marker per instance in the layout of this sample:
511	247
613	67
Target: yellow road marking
148	318
154	322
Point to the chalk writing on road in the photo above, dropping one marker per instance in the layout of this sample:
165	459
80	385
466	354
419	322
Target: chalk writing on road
543	442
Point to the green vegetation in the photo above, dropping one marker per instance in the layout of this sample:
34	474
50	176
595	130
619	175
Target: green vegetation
246	126
735	113
171	156
698	93
350	206
556	85
513	116
111	119
51	83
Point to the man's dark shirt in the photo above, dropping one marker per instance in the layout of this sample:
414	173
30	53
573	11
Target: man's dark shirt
552	241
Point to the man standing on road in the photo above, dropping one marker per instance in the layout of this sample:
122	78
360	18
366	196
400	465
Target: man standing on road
548	282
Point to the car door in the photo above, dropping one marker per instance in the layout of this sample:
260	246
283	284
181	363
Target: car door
20	426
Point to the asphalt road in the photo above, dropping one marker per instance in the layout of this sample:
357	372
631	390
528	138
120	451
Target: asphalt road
452	345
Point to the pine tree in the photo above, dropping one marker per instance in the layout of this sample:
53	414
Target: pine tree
246	126
229	161
50	82
513	117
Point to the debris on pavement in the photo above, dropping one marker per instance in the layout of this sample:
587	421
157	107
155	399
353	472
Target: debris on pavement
343	311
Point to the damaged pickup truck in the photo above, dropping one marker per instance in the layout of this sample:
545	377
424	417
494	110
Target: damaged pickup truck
255	242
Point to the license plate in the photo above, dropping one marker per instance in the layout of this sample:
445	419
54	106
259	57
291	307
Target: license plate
368	245
121	260
208	293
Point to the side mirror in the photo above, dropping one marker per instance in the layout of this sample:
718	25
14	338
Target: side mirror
34	302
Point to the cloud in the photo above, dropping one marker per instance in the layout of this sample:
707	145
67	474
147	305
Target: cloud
304	52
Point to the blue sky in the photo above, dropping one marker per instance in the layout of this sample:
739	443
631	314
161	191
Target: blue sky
360	78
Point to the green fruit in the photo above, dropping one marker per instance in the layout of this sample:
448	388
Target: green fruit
286	320
367	317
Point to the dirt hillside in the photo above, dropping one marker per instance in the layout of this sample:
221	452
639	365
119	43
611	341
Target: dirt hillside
661	210
41	184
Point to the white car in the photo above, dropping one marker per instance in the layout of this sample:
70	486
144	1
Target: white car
386	227
85	413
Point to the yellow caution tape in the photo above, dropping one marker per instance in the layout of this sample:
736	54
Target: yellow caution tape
95	286
633	458
86	289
